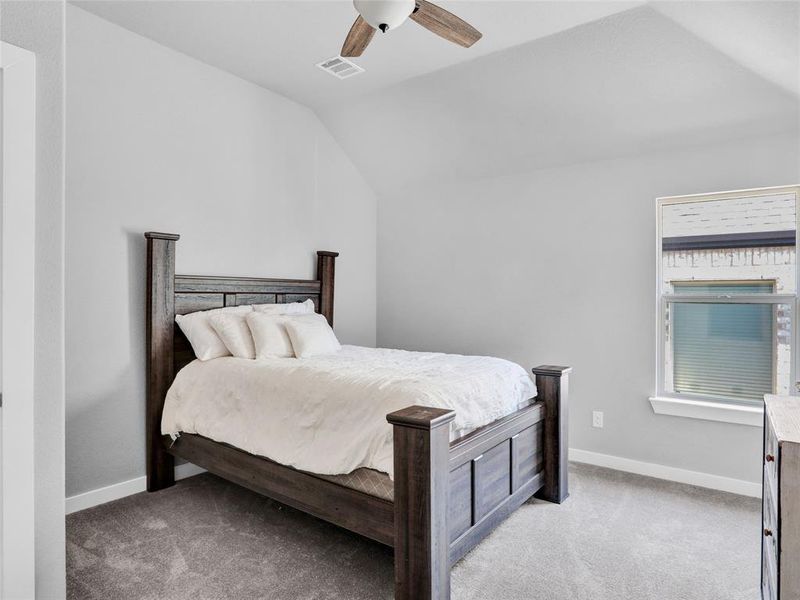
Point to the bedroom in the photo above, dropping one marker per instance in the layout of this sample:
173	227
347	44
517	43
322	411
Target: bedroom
519	198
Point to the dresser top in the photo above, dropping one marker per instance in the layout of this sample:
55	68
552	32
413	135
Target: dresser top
784	414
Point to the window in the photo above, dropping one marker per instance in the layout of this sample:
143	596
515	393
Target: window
727	286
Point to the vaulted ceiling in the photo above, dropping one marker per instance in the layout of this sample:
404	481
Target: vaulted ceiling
550	83
630	83
276	43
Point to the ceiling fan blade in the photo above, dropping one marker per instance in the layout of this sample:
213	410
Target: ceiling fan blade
358	39
445	24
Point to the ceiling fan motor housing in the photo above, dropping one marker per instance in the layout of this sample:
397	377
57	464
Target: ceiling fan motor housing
385	14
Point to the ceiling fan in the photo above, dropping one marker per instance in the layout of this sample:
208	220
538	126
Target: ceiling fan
389	14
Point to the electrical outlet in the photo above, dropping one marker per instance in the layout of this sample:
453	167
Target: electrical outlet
597	419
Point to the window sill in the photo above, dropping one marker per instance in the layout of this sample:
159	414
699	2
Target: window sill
709	411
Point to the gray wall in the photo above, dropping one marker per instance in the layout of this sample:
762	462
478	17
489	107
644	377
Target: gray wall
252	181
38	27
558	266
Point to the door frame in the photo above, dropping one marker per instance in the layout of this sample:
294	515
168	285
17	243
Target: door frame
17	252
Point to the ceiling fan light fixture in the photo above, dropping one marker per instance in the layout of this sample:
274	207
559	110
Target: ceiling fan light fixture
374	15
385	14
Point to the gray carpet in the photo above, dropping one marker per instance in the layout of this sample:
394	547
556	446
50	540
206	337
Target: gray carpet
619	536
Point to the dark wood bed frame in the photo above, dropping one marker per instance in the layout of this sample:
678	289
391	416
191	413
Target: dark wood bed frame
448	495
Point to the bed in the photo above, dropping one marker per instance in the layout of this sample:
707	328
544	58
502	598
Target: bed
442	482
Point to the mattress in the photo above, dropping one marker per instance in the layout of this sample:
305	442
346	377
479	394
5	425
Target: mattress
327	414
369	481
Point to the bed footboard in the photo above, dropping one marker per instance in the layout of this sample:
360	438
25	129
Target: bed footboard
449	496
421	456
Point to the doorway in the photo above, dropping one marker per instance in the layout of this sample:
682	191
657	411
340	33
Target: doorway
17	250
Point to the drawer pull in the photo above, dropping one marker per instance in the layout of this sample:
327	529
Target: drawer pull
768	532
770	458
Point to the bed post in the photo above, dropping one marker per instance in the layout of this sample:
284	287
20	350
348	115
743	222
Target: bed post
421	478
552	384
160	331
326	263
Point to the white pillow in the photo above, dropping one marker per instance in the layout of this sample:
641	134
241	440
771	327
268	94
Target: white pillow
311	336
269	335
292	308
204	340
232	329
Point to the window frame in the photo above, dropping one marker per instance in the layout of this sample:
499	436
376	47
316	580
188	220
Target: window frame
663	299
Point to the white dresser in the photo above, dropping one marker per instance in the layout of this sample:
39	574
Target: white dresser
780	547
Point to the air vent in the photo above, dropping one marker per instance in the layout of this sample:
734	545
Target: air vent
340	67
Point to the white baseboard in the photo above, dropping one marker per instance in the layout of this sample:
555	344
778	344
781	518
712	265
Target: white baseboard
706	480
122	489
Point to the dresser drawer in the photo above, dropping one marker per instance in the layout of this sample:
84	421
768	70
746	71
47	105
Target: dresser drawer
771	458
770	531
769	577
770	490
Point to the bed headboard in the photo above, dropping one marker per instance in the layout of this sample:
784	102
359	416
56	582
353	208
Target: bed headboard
169	294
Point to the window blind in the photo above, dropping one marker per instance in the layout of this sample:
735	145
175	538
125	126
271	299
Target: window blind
723	349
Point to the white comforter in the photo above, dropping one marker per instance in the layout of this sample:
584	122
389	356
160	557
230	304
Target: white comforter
327	414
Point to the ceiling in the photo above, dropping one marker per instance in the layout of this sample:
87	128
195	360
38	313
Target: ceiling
550	83
277	43
760	35
630	83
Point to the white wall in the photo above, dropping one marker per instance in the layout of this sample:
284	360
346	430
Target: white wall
558	266
38	27
252	181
